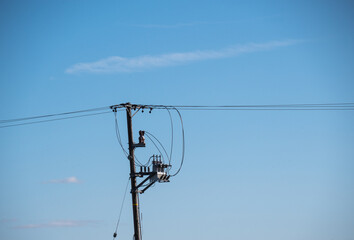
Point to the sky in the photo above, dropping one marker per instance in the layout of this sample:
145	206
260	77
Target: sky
249	175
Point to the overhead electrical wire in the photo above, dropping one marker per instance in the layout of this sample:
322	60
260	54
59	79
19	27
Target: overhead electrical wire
158	149
51	120
148	134
147	163
121	208
273	107
183	144
137	162
266	109
118	134
171	121
53	115
270	107
297	105
97	111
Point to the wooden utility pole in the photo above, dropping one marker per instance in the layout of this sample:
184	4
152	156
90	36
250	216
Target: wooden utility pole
158	173
135	197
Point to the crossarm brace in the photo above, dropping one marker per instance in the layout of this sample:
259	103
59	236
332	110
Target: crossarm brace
144	181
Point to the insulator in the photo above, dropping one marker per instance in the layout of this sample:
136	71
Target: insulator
144	169
148	169
141	137
141	168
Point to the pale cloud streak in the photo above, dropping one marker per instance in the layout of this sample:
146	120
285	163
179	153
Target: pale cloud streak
65	180
116	64
178	25
198	23
64	223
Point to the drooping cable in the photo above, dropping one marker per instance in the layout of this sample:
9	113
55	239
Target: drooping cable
164	149
147	164
169	113
157	147
121	208
137	162
183	144
118	134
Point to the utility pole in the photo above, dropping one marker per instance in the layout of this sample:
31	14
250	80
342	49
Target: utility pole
135	197
158	172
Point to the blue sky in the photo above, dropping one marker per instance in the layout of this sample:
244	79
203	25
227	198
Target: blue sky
247	175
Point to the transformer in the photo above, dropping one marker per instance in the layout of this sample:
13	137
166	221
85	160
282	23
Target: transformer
159	169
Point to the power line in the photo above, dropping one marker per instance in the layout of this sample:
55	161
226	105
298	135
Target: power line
118	134
183	144
171	121
269	107
150	134
53	115
297	105
56	119
121	208
158	149
266	109
137	162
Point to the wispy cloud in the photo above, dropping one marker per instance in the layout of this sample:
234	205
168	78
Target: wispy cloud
65	180
178	25
117	64
199	23
64	223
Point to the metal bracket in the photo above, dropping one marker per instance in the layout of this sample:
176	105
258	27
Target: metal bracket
139	145
136	175
142	191
144	181
136	111
136	189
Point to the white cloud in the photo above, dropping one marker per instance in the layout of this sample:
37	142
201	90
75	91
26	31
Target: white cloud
65	223
176	25
116	64
65	180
